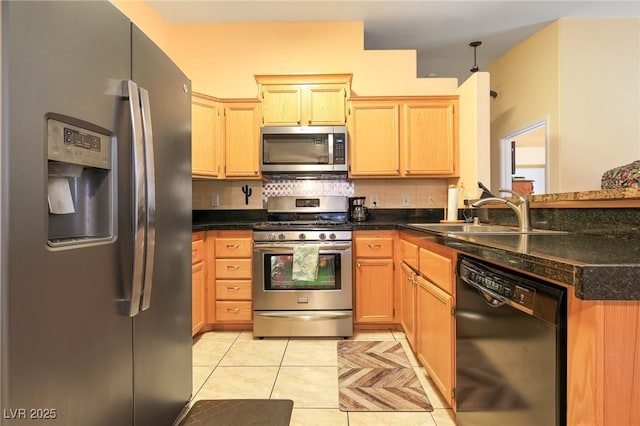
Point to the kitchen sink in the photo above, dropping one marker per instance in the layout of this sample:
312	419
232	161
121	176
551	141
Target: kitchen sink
470	228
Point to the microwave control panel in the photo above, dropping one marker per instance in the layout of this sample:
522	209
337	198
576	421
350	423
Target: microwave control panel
339	148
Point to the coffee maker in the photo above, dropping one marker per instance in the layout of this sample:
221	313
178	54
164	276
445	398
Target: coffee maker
357	210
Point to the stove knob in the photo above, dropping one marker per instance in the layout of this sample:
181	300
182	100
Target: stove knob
322	236
271	236
281	236
332	236
302	236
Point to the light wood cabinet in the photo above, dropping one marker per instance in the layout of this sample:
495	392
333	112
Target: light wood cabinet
198	282
374	143
438	268
233	265
225	138
408	288
374	277
436	316
210	288
436	336
429	138
403	136
242	139
304	100
603	368
206	145
409	258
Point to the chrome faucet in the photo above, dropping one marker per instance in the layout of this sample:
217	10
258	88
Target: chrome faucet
521	209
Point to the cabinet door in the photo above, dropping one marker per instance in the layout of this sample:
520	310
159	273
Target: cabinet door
282	105
438	269
197	296
242	139
374	290
408	304
374	139
436	336
206	126
326	104
210	272
429	138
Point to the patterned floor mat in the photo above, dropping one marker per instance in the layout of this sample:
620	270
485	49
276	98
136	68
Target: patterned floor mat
377	376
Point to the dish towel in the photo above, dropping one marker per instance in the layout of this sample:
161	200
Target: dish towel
305	262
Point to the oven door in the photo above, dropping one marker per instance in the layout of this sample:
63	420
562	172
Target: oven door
275	289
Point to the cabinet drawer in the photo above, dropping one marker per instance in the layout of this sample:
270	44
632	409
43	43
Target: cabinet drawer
438	269
233	311
409	253
197	251
234	247
233	268
374	247
233	290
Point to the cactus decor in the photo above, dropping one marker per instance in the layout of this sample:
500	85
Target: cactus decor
247	193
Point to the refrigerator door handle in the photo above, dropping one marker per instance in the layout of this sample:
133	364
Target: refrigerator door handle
139	197
151	198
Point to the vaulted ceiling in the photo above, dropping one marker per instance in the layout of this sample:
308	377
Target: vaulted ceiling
440	31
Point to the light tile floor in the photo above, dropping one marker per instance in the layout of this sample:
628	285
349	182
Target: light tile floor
232	364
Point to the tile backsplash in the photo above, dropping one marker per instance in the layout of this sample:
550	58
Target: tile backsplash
388	193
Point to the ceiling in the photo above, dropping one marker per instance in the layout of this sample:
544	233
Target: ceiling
439	31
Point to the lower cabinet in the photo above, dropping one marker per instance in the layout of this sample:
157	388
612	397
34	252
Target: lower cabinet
374	290
436	336
198	282
374	276
233	272
408	286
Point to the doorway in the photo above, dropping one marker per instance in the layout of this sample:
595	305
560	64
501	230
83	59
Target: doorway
523	160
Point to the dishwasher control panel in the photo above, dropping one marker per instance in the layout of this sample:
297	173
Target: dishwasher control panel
499	284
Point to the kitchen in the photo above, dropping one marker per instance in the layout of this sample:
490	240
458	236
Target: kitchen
422	193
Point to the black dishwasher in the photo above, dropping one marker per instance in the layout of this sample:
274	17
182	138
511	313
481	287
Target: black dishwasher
510	348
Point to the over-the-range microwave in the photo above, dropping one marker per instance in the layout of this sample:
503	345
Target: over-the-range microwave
307	149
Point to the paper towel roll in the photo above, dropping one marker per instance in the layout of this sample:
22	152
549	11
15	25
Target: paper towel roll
452	204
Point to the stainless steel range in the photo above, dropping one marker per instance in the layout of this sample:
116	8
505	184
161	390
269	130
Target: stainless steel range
302	269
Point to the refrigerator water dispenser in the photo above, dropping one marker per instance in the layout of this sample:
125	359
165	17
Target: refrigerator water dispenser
81	185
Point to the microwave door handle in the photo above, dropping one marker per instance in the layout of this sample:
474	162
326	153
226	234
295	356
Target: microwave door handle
151	198
139	197
330	147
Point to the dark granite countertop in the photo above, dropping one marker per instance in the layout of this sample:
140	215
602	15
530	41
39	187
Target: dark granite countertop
599	267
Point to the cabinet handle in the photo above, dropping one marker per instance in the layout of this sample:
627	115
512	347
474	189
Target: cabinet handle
233	246
234	310
374	245
233	288
358	264
234	267
406	170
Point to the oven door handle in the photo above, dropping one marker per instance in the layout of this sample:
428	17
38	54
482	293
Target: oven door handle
280	248
305	316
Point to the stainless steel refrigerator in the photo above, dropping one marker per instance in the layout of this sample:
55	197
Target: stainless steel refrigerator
95	303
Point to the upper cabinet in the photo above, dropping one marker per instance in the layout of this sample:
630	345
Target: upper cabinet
206	125
225	140
304	99
429	137
374	138
405	136
242	138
